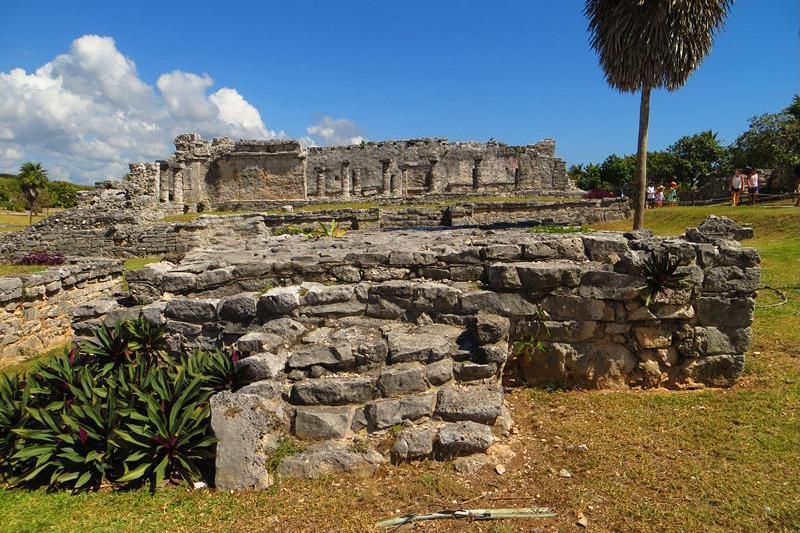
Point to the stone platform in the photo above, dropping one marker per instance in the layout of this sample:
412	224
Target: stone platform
392	345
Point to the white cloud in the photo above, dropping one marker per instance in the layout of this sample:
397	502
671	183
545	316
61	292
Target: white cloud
87	113
334	131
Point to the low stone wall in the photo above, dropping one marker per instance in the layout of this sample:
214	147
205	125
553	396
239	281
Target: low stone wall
37	309
130	237
405	334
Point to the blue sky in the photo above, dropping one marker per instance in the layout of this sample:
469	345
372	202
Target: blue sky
517	71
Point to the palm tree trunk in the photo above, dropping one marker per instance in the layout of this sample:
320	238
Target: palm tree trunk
641	159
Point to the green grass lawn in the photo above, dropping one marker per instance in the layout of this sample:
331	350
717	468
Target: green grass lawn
16	221
709	460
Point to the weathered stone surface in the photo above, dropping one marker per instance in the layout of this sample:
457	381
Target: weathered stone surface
439	372
715	228
463	438
192	311
259	341
401	379
610	285
469	371
382	414
240	308
319	423
327	459
479	403
416	443
333	391
285	327
424	343
318	294
719	341
279	301
569	307
731	279
260	366
653	337
496	353
725	312
490	328
714	370
334	356
504	303
600	365
247	427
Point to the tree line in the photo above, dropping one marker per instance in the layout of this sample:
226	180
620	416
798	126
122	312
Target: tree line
31	189
772	141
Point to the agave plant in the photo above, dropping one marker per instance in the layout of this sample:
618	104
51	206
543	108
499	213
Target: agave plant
172	438
660	271
331	230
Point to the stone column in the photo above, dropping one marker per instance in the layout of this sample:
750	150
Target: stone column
345	177
433	179
395	184
321	185
476	175
357	181
386	180
165	184
177	188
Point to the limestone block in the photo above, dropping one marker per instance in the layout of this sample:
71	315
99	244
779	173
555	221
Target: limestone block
240	309
411	444
490	328
279	301
401	379
334	390
338	356
423	343
469	371
328	459
382	414
477	403
260	366
319	423
192	311
463	438
725	312
439	372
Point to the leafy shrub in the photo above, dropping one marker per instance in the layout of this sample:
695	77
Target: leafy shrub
41	258
553	228
598	194
116	411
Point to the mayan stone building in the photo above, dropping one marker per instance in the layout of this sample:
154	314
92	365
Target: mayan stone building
202	174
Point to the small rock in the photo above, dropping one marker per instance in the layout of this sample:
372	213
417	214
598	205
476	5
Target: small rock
582	520
582	448
564	473
500	469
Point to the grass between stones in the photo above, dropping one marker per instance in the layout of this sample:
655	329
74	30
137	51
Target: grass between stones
711	460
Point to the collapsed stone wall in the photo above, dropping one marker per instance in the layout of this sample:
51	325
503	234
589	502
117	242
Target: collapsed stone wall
404	336
202	174
111	224
36	310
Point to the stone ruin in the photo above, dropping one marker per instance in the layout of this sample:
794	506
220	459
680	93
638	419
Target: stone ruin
393	345
207	174
392	342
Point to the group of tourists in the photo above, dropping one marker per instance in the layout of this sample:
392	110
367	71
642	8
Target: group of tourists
657	195
740	180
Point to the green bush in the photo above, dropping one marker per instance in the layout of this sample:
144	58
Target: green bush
117	411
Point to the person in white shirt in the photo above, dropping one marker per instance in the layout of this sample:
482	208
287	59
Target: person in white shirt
736	187
752	186
651	196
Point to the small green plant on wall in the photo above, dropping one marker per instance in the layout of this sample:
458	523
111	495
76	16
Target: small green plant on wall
528	346
660	272
331	230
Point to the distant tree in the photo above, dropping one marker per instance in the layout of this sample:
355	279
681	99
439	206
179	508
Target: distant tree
696	157
771	141
33	181
62	194
649	44
618	171
587	177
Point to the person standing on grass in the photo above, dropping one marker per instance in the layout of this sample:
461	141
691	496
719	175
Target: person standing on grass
672	196
660	196
752	186
651	196
736	187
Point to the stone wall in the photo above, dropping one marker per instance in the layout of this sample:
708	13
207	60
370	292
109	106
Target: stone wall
98	230
405	335
37	309
203	174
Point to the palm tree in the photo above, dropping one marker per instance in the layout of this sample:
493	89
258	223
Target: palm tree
650	44
32	181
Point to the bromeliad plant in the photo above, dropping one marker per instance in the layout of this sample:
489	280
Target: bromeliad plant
331	230
660	271
118	412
